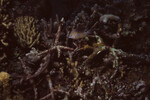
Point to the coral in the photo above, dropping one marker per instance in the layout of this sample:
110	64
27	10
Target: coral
6	88
5	23
4	78
18	97
73	69
33	55
3	44
4	83
100	52
3	2
26	31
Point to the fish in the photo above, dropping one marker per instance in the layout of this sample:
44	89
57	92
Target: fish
75	34
106	17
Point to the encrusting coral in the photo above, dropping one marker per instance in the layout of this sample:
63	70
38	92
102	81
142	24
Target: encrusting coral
26	31
4	78
4	84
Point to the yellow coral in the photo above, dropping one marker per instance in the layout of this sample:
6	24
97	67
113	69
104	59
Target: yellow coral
5	86
2	40
2	57
3	45
4	21
4	26
2	2
26	31
3	16
4	78
4	83
74	70
18	97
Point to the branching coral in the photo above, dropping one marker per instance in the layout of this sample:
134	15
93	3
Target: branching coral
5	23
26	31
94	67
3	44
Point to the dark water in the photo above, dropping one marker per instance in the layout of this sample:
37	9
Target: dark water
49	8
